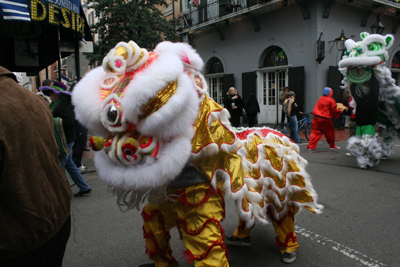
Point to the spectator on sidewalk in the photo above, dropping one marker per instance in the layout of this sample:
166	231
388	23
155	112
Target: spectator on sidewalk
234	104
35	195
251	108
62	108
293	112
282	98
324	111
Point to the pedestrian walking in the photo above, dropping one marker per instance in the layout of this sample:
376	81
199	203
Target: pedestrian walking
61	107
252	108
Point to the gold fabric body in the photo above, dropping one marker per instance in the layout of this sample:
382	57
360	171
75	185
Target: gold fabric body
282	173
159	100
197	213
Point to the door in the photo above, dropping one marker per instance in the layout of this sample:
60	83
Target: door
218	86
270	85
249	85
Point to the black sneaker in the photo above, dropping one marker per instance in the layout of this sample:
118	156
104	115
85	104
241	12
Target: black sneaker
289	257
235	241
82	193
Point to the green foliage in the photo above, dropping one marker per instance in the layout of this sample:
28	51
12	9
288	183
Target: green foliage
124	20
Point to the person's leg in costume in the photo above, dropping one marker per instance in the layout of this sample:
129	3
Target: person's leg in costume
200	227
365	147
198	213
316	133
156	227
328	129
286	239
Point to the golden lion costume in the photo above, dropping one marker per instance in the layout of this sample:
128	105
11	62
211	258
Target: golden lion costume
161	138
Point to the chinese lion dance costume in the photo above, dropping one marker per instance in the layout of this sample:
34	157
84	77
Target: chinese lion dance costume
161	139
376	97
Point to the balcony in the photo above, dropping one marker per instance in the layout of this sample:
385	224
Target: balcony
222	11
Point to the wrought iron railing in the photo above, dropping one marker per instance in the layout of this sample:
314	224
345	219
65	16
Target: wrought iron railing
213	10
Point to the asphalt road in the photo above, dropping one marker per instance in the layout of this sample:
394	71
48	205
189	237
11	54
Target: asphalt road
360	224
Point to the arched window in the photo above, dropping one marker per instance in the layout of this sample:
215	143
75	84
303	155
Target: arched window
274	56
214	65
396	61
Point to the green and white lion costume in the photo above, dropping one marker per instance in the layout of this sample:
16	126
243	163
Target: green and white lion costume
361	61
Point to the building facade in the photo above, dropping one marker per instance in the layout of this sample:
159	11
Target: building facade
263	46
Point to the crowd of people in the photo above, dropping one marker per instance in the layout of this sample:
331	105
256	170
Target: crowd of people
325	109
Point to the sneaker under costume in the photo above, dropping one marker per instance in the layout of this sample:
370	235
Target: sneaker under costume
160	138
376	95
324	111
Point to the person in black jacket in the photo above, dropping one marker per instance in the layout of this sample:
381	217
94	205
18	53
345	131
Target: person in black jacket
234	104
61	107
251	108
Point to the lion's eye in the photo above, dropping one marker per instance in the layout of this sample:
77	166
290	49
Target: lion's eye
374	47
112	113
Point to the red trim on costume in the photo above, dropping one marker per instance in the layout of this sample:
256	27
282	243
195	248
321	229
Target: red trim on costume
242	135
188	255
147	217
183	198
288	237
198	231
150	235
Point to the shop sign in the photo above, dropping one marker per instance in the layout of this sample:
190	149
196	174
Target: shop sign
58	12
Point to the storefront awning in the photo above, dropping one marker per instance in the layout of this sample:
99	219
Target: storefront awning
31	31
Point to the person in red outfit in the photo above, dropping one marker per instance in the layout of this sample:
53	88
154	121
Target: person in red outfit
323	112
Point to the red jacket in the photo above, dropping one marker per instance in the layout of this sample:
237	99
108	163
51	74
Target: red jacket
326	107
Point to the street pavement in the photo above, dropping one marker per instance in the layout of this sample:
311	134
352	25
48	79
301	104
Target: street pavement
359	225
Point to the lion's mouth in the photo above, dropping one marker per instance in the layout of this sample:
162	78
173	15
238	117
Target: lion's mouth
127	148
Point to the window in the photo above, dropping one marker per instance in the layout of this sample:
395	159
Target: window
274	56
214	65
185	6
91	18
215	86
396	61
168	9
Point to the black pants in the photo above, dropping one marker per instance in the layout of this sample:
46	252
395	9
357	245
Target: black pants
283	116
79	145
252	119
50	254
